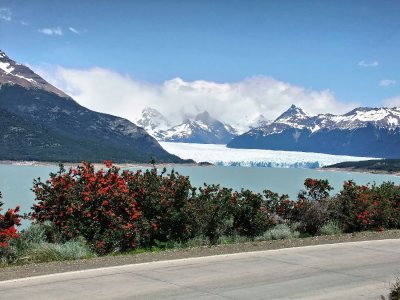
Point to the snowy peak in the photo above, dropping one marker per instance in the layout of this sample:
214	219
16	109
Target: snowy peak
152	120
203	128
292	114
12	73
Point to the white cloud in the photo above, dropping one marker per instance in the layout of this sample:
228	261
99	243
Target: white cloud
72	29
235	103
24	23
366	64
51	31
392	102
5	14
387	82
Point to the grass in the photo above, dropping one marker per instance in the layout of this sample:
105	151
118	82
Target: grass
279	232
42	243
331	228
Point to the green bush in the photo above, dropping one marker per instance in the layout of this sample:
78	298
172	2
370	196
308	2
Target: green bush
331	228
279	232
251	215
213	208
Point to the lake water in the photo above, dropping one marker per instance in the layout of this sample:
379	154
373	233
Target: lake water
16	181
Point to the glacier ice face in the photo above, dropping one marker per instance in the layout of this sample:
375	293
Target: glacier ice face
221	156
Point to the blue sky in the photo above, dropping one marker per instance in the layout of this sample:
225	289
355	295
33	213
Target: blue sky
351	48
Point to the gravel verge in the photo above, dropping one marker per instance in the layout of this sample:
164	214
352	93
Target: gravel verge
28	270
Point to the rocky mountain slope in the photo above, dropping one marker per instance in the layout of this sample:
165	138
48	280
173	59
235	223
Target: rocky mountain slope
40	122
363	131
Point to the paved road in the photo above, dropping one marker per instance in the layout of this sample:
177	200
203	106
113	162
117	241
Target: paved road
359	270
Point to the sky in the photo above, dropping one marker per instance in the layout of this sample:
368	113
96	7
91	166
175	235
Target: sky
235	58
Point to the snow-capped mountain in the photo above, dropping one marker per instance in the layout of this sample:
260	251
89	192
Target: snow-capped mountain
40	122
202	129
153	121
12	73
363	131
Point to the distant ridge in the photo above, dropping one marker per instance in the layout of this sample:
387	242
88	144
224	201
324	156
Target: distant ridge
364	131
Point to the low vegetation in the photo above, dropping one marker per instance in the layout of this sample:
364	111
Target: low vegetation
394	293
82	212
378	165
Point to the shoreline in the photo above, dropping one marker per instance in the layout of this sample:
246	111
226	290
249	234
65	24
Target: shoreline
168	165
359	170
96	165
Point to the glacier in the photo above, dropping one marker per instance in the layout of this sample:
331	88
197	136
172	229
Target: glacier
220	155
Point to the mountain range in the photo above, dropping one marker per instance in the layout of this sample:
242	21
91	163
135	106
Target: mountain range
40	122
202	129
364	131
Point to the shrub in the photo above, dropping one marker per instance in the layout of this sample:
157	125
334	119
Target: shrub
280	207
394	293
96	205
251	215
312	216
115	211
163	204
213	208
8	230
315	189
330	228
279	232
368	207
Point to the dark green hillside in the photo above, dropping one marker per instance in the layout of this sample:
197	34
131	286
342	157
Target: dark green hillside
39	125
379	165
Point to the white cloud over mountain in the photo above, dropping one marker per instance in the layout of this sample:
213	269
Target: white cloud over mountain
235	103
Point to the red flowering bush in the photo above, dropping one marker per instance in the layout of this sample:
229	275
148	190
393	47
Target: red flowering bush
163	203
8	223
113	210
97	205
119	211
280	206
368	207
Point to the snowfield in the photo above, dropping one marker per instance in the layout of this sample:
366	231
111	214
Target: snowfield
220	155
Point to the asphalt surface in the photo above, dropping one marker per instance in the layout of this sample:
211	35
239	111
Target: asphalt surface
355	270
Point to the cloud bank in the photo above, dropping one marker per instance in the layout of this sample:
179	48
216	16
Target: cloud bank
236	103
